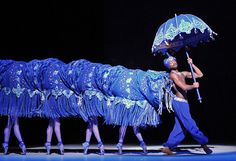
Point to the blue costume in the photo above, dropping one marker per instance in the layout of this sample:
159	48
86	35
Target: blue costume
17	97
51	88
56	99
122	96
183	121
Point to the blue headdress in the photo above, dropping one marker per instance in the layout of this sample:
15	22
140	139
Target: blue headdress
168	60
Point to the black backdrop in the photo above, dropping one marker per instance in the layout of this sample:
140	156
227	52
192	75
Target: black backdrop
121	32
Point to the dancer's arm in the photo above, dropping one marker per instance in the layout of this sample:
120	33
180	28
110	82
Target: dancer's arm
198	73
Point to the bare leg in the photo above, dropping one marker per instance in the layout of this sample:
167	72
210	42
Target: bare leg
18	134
57	129
7	130
7	133
97	135
89	131
122	132
49	136
50	130
17	129
137	133
88	137
95	130
140	138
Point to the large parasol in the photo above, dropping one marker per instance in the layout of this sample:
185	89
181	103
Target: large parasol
184	30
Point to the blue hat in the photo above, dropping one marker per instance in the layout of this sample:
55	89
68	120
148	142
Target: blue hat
168	60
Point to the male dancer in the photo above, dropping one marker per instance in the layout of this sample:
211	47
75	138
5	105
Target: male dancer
183	119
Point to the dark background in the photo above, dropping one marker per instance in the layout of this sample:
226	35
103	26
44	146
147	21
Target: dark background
122	32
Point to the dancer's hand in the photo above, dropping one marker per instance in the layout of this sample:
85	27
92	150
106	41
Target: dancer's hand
196	85
190	61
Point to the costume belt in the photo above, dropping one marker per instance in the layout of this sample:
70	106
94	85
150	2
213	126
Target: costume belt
180	99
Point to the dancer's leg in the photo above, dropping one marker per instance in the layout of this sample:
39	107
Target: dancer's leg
17	129
18	134
7	130
88	136
49	135
50	130
137	133
89	131
140	138
7	133
57	129
97	135
122	132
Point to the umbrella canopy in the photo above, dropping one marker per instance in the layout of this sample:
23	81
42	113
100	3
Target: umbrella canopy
180	31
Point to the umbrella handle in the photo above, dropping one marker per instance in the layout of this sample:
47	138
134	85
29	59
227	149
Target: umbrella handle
194	79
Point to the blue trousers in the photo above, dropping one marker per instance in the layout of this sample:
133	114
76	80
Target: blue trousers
183	122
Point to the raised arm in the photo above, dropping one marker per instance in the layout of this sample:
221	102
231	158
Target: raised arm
197	72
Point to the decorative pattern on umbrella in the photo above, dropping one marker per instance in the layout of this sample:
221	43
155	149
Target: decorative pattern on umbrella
182	30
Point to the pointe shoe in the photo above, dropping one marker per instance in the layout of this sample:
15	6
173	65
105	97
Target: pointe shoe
5	147
119	147
144	147
167	151
207	149
23	147
61	148
101	148
86	147
48	147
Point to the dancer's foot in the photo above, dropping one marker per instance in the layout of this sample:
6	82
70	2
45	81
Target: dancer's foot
23	147
167	151
61	148
101	148
5	147
120	147
48	147
144	147
86	147
207	149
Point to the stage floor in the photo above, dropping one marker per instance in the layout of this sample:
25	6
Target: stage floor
131	152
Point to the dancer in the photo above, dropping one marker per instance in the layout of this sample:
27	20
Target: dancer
138	134
93	129
183	119
14	99
123	97
57	99
79	77
13	121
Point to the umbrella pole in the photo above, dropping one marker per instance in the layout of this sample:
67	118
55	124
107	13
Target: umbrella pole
194	79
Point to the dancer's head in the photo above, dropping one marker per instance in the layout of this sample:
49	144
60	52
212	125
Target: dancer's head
170	62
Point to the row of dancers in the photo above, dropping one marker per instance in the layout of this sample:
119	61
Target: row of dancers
54	126
125	97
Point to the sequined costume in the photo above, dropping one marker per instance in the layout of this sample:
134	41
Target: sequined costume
17	97
122	96
57	100
84	89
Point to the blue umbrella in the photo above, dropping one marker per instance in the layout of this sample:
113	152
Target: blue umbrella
182	31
